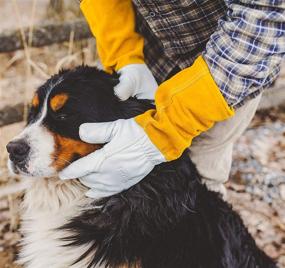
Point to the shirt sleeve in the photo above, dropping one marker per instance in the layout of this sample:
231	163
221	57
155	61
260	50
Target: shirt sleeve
113	24
245	52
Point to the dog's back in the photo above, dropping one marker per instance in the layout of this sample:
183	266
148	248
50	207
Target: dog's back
168	220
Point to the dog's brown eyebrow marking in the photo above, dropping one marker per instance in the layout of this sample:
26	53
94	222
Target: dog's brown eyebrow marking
58	101
35	100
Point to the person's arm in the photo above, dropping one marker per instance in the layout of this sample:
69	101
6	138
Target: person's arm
113	24
245	52
241	57
119	46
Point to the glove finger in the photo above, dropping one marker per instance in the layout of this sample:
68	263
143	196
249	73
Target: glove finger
97	194
106	189
84	166
96	179
97	132
150	95
124	89
148	91
102	188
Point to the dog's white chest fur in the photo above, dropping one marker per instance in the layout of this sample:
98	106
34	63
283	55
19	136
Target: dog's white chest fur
49	204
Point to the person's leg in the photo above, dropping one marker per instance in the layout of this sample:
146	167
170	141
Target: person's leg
211	152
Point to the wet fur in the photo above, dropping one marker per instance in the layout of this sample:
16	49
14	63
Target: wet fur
168	220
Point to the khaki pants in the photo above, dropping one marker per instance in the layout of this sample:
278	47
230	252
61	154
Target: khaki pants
212	150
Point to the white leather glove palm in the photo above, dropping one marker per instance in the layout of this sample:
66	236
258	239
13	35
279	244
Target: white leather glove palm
126	159
136	80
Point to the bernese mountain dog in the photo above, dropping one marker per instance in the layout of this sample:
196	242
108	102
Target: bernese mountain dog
168	220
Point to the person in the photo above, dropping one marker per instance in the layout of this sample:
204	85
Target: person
206	64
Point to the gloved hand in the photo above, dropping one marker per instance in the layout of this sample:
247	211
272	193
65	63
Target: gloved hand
136	80
127	158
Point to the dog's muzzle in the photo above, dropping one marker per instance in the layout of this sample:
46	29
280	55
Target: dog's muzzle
18	152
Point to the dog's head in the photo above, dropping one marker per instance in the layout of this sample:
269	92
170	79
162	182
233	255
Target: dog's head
50	141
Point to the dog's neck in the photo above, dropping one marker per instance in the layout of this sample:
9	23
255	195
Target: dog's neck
48	205
47	195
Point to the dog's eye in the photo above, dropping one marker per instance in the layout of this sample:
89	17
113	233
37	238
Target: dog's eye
61	116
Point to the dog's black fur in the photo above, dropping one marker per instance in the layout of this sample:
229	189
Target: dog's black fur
169	219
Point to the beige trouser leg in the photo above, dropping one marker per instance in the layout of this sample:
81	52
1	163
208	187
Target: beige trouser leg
212	150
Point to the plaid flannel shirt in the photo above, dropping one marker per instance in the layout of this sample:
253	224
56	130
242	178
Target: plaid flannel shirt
242	41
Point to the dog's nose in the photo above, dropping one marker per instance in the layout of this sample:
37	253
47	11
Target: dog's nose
18	150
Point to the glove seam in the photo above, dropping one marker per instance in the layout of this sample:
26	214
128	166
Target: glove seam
179	90
184	87
147	153
186	84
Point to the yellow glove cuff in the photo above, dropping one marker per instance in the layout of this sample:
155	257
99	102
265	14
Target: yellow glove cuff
113	25
186	105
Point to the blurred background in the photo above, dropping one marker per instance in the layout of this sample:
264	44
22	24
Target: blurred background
40	37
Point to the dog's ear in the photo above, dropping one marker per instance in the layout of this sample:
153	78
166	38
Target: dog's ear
63	71
93	72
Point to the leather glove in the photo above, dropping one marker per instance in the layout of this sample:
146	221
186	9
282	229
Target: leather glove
136	80
127	158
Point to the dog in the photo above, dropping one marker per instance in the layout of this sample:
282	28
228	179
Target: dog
168	220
